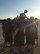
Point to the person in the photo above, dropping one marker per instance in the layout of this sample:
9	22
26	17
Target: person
23	14
8	33
19	38
30	33
4	34
3	27
36	22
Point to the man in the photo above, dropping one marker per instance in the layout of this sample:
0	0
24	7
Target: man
4	32
31	32
3	27
19	39
22	15
8	33
36	22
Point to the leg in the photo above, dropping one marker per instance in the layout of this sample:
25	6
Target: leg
4	45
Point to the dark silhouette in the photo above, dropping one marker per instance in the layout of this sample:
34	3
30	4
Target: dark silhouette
7	32
13	31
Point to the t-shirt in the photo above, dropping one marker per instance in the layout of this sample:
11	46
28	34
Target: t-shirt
19	38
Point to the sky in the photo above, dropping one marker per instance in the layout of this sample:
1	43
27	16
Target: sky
9	8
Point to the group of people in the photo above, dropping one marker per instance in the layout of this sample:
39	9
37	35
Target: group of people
17	29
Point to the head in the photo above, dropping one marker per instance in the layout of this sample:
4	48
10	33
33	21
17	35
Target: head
22	16
31	19
36	19
8	19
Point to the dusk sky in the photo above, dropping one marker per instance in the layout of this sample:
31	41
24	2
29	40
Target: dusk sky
8	8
